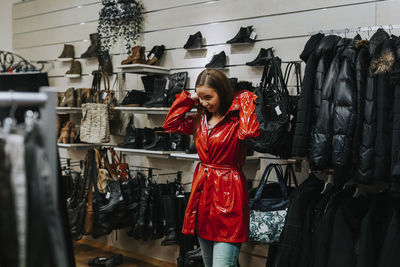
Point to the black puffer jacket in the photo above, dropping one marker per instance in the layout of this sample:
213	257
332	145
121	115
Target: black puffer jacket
395	181
321	147
345	108
304	108
362	66
325	52
365	173
384	106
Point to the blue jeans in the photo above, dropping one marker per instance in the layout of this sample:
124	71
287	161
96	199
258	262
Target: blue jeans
219	254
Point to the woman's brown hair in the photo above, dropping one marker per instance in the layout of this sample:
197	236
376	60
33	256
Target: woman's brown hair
220	83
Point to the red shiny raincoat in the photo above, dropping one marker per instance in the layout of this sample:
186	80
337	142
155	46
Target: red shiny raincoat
218	207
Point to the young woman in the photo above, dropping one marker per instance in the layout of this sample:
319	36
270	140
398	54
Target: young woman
218	208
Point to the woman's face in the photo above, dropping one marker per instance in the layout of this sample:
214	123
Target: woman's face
208	98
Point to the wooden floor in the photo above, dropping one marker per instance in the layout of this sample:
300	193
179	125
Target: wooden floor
85	252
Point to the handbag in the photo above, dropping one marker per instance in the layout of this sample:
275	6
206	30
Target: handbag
95	126
121	169
273	112
268	206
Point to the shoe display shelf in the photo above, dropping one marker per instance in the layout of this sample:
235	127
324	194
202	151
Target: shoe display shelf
82	145
68	110
195	157
142	69
146	152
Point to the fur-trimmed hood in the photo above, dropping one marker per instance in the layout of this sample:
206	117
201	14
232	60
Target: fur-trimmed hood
384	62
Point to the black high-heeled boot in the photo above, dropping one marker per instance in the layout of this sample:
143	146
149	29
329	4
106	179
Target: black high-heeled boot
262	57
138	230
243	36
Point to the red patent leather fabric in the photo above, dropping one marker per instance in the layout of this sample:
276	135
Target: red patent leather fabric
218	207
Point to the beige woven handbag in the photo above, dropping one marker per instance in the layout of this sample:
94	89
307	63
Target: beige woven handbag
95	125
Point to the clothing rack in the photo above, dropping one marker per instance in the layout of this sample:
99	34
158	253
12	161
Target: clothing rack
357	30
46	100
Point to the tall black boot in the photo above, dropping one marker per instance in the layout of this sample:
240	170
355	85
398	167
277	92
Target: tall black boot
171	237
157	98
158	213
105	63
176	84
140	225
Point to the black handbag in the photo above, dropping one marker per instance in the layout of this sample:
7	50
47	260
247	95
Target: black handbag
269	203
273	112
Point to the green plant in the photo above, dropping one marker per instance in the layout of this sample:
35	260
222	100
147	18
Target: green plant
120	18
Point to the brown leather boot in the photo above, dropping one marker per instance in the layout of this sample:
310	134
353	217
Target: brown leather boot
137	56
68	99
75	70
67	54
72	134
65	133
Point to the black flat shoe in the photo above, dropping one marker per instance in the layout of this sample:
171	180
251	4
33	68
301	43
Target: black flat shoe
114	260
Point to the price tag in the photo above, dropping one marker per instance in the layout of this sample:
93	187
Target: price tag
278	110
173	145
253	35
150	57
108	195
104	95
63	99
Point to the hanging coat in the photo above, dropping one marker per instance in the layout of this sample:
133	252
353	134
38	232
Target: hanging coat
304	107
218	207
321	139
395	77
368	132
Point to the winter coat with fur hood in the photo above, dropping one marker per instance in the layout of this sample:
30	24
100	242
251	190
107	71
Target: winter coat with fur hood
321	147
365	170
395	79
381	67
304	108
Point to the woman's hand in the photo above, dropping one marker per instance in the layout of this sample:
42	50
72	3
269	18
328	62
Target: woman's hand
194	96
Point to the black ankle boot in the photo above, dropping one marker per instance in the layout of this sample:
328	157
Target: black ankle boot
134	98
171	237
162	142
179	142
157	98
148	138
243	36
218	61
176	84
93	48
262	57
114	200
194	41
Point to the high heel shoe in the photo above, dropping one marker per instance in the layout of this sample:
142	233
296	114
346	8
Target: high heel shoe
155	54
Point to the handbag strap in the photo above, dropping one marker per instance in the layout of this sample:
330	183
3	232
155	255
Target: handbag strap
297	70
95	89
290	175
279	174
116	158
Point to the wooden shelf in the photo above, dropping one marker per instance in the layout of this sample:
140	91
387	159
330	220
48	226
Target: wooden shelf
146	110
67	110
143	69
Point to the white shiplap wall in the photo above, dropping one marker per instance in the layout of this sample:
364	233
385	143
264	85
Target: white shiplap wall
41	27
